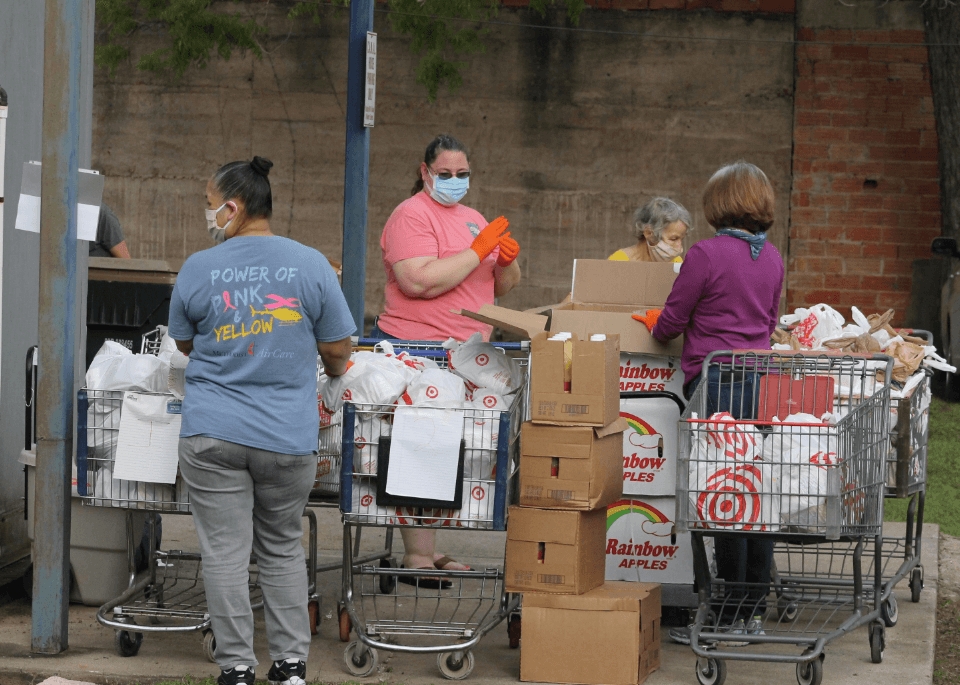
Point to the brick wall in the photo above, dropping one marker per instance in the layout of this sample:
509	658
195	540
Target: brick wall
865	200
769	6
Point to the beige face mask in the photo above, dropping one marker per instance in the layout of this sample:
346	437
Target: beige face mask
662	252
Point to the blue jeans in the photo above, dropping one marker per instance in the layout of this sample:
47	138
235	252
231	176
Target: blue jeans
377	334
740	558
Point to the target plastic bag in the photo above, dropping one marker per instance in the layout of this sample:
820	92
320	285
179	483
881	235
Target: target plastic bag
815	325
435	388
476	510
481	431
723	438
367	431
364	504
370	378
735	496
484	366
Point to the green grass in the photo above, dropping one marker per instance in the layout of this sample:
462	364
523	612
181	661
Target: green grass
942	505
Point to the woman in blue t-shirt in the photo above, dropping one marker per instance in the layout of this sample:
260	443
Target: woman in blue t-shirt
252	313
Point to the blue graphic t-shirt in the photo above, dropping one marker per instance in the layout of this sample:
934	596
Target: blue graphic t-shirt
255	308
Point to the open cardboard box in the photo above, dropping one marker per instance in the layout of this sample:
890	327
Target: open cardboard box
605	295
570	467
607	636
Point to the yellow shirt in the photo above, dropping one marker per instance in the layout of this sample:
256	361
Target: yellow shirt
621	256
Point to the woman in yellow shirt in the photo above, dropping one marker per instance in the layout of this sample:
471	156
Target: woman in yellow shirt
660	227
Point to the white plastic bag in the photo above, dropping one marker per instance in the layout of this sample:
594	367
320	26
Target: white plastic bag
735	496
116	368
724	438
368	429
815	325
484	366
370	378
435	388
481	431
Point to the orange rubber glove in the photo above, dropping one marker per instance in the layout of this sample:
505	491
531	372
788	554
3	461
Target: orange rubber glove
489	237
649	319
509	249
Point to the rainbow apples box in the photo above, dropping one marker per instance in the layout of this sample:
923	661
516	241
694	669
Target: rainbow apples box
641	543
650	444
650	373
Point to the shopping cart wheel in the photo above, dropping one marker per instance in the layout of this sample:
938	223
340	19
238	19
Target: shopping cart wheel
360	660
786	610
344	616
313	610
810	672
889	611
388	583
127	643
455	665
916	583
711	671
877	642
513	630
209	645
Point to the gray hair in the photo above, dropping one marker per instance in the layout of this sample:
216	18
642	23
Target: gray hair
657	214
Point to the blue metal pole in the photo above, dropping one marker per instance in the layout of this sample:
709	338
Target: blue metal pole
357	164
60	187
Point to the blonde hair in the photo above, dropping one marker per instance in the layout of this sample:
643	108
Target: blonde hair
739	195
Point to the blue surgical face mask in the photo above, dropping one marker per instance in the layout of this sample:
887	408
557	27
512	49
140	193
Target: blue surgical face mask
448	191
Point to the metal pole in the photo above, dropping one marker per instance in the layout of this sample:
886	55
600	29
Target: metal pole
59	192
357	165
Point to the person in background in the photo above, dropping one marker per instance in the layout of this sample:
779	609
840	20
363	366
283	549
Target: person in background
726	297
659	227
439	256
110	241
252	313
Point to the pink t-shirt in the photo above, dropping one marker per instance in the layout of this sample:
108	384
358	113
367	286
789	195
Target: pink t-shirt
422	227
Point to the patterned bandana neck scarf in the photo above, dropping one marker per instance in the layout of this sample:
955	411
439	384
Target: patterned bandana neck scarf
756	240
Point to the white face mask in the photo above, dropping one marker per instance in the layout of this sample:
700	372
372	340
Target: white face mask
218	234
664	252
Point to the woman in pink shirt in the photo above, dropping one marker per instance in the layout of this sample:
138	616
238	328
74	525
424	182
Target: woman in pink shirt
439	256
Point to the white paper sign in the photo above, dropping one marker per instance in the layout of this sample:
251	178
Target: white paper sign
88	204
370	82
425	452
148	438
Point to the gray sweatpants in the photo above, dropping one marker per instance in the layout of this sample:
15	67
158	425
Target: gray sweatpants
246	499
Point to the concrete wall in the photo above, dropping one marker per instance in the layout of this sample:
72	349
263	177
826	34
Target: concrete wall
569	130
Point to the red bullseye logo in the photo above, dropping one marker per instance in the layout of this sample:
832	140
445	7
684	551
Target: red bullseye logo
347	395
360	442
432	392
478	493
489	401
366	500
482	359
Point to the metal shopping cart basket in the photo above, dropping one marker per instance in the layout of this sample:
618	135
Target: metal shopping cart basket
804	482
412	617
169	596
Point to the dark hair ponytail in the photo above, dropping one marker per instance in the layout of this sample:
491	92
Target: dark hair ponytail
247	181
442	143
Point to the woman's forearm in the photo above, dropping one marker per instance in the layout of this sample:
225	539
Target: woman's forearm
505	279
429	277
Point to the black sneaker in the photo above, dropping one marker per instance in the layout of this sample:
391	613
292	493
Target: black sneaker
237	675
289	672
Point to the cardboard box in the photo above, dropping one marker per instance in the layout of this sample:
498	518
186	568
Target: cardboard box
555	551
650	445
571	467
594	395
605	295
641	543
608	636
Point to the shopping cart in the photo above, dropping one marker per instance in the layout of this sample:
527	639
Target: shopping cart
414	618
905	478
169	597
806	483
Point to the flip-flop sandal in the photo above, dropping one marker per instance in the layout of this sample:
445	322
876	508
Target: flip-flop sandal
441	564
430	583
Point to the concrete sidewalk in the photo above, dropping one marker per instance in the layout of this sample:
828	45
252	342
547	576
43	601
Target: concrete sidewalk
91	657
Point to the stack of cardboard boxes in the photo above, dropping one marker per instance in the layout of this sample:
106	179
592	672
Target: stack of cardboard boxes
576	628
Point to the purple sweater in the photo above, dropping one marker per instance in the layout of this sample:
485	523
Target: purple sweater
722	300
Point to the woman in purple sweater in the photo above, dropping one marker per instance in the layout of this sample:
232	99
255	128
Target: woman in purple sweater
726	297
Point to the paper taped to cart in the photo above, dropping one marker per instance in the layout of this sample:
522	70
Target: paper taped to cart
148	439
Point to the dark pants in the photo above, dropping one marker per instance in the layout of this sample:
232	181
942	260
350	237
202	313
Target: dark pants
740	558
